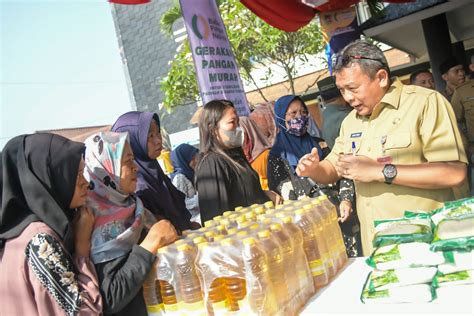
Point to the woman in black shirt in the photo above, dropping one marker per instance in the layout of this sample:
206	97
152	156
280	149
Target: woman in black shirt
224	178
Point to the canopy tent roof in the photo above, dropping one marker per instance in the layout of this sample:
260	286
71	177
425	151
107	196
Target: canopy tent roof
286	15
402	19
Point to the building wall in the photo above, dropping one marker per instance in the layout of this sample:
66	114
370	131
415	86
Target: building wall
145	53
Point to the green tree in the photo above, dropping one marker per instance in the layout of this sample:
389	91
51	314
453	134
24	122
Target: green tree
255	44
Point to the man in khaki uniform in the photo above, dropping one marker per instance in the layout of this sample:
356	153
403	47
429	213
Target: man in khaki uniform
452	71
401	145
463	106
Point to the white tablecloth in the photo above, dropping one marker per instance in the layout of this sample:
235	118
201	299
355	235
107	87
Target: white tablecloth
342	297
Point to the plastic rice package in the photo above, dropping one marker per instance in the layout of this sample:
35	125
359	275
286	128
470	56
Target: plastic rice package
457	261
415	227
456	278
415	254
454	226
417	293
386	279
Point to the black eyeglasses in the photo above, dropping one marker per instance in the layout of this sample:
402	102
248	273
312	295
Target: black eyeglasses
345	60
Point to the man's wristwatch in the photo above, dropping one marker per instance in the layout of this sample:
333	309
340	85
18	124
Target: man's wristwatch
389	173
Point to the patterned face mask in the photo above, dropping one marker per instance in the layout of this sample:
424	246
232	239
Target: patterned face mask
297	126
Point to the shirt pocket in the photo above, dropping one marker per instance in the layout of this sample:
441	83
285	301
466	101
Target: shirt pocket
399	147
468	106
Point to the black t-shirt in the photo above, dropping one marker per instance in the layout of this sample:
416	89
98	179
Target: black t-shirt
222	187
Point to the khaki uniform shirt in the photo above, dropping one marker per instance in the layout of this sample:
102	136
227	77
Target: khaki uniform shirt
418	126
463	106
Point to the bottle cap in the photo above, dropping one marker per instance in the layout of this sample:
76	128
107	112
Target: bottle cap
192	236
264	233
299	211
217	218
209	234
249	241
227	213
184	247
163	250
219	238
268	204
267	221
208	223
203	244
199	240
238	208
179	242
242	233
232	231
259	210
275	227
254	226
226	242
287	219
250	215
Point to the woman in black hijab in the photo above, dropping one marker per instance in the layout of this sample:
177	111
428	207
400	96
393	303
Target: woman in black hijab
43	262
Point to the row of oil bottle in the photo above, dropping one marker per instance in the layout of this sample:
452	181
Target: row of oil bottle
258	260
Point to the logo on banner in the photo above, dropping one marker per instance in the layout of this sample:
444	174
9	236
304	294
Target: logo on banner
216	69
200	27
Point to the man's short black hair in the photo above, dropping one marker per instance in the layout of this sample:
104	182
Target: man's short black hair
416	73
447	64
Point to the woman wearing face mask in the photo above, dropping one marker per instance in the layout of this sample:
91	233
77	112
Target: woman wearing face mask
184	159
291	143
45	230
120	219
224	178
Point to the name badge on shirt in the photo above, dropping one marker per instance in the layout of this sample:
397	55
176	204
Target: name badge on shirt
356	135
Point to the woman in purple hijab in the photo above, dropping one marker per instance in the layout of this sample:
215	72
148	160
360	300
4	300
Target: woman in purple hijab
154	188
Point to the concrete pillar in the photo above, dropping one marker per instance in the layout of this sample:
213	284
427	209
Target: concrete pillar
438	44
460	54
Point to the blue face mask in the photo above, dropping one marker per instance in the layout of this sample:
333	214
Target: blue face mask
297	126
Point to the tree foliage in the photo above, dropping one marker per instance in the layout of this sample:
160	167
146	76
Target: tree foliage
255	44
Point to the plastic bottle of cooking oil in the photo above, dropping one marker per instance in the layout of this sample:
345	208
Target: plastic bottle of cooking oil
216	295
332	222
276	268
328	231
151	294
168	294
235	287
305	279
322	239
289	263
262	296
311	248
188	281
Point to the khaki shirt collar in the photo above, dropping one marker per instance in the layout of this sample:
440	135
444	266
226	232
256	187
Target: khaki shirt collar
391	98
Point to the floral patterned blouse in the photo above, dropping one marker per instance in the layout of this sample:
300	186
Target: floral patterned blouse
39	277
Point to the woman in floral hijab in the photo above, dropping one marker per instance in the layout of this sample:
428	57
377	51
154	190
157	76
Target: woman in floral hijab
121	264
